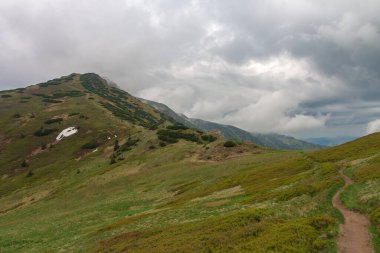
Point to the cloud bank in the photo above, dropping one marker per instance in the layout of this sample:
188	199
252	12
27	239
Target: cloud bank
304	68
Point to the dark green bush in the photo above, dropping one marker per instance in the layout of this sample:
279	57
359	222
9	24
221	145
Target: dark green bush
91	145
130	142
54	120
116	145
16	115
6	96
73	114
24	164
208	137
177	126
44	131
229	144
167	139
52	101
173	136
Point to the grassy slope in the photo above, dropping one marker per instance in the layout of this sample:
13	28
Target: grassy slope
362	161
164	192
165	199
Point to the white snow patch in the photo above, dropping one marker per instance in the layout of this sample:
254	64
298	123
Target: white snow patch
67	132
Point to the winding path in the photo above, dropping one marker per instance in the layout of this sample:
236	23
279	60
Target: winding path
354	236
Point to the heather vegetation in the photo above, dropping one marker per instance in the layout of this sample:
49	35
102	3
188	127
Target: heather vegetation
132	180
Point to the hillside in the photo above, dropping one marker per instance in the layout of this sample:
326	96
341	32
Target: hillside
330	141
275	141
134	180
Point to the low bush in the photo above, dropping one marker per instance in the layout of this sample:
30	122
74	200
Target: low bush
54	120
229	144
173	136
177	126
44	131
24	164
52	101
208	137
91	145
130	142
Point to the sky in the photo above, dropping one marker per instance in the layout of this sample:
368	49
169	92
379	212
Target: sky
305	68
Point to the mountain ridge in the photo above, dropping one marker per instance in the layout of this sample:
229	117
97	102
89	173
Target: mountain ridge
276	141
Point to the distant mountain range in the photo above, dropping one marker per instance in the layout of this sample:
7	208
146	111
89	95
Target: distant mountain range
272	140
331	141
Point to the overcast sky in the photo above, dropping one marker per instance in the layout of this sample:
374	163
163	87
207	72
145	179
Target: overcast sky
302	68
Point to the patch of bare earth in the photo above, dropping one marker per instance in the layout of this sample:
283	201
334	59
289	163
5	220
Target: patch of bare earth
4	140
354	236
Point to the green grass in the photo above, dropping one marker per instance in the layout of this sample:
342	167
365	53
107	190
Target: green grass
164	199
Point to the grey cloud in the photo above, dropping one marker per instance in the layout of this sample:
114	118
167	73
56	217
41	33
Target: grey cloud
305	68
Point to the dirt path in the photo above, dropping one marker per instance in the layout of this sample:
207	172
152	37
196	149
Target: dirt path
354	236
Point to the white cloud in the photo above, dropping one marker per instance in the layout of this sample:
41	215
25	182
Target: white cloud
286	66
373	126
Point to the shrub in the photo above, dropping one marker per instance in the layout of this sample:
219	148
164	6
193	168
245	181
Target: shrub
113	160
44	131
73	114
177	126
52	101
91	145
54	120
16	115
116	146
6	96
229	144
208	137
30	173
167	139
82	116
130	142
172	136
24	164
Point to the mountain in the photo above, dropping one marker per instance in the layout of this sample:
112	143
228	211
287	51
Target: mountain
128	178
166	109
275	141
32	117
330	141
